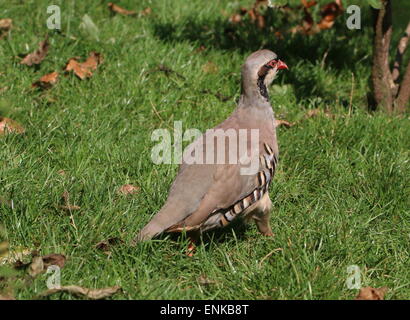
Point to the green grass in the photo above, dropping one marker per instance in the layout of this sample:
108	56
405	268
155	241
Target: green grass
341	193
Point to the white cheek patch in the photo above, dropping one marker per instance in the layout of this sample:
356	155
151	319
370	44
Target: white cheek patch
270	76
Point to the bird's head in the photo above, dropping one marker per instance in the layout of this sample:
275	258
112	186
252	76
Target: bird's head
259	71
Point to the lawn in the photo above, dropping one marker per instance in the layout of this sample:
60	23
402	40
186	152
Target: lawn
341	195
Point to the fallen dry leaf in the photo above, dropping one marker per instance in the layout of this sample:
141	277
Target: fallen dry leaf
84	69
5	26
54	259
37	56
128	189
46	81
8	125
117	9
285	123
369	293
39	264
94	294
147	11
107	244
329	14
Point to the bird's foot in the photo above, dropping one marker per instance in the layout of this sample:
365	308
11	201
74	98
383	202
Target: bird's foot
191	249
268	234
193	239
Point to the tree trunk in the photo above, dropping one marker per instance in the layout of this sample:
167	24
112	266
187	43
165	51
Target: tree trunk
383	84
404	93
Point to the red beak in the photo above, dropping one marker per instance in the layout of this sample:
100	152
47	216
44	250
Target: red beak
281	65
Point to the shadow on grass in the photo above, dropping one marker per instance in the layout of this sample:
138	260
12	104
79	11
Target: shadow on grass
339	48
219	235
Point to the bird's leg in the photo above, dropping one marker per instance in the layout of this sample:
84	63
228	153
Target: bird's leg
193	237
262	216
262	222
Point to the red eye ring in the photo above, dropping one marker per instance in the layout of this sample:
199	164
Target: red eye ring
279	64
272	63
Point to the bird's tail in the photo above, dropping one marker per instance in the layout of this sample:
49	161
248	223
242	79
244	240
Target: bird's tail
158	224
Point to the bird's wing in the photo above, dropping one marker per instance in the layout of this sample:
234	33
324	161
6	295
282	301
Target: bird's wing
196	192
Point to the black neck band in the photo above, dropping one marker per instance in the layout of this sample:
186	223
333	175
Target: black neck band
262	88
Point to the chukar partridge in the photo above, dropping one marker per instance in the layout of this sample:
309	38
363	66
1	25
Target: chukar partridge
211	195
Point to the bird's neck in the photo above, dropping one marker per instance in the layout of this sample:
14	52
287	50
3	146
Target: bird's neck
256	98
255	91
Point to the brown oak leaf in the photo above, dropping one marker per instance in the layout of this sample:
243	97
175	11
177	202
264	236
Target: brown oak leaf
8	125
37	56
5	26
128	189
54	259
117	9
46	81
107	244
85	69
39	264
285	123
329	14
369	293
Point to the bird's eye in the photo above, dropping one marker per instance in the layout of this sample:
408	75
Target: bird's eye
272	63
